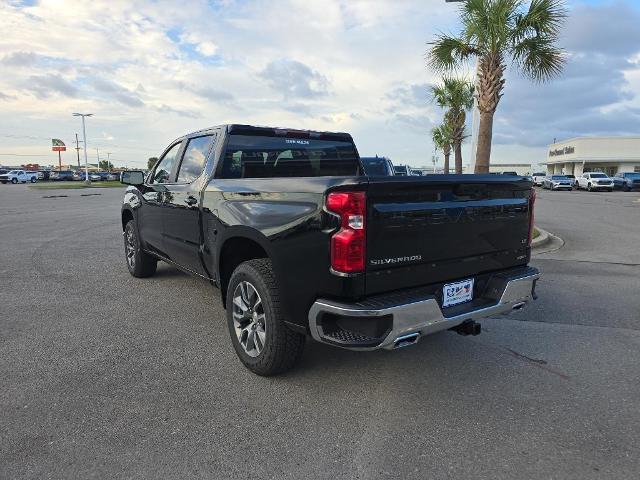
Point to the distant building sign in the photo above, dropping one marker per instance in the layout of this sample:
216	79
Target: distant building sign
58	145
561	151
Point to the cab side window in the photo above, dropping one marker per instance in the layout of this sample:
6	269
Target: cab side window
162	173
194	159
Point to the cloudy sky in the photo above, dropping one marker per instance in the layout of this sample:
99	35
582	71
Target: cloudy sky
151	71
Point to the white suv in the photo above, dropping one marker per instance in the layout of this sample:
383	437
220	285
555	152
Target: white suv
595	181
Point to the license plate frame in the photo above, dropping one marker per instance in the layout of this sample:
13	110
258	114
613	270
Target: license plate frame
456	293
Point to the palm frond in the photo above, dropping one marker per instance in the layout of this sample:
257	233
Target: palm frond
544	17
442	137
539	58
447	53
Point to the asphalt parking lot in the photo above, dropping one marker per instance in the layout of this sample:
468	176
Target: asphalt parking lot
104	375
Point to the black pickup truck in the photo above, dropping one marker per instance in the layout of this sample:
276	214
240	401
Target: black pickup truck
302	244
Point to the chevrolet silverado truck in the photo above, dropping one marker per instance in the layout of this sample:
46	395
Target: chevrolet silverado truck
302	244
19	176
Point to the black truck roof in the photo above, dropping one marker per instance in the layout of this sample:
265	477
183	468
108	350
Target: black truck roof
240	129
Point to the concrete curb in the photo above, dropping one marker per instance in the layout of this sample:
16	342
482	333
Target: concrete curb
546	243
541	239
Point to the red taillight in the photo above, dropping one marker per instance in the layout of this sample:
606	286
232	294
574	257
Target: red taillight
532	202
348	244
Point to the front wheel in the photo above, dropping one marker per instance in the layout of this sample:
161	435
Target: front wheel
589	188
262	341
139	263
14	180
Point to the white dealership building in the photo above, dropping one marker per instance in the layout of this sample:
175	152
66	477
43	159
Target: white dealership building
594	154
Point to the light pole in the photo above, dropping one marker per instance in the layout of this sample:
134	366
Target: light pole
84	137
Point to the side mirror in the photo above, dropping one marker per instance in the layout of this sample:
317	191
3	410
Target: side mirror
132	177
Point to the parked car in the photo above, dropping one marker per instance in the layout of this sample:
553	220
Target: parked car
43	174
110	177
557	182
402	170
95	177
595	181
377	166
58	175
538	178
18	176
417	173
510	173
627	181
302	244
3	171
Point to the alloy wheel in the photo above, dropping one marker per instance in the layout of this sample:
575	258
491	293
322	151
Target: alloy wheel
249	318
130	247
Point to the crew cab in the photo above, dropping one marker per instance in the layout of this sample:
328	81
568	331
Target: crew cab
302	244
19	176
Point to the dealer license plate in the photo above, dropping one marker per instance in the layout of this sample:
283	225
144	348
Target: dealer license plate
458	292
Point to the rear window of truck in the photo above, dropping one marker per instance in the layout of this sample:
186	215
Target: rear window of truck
249	156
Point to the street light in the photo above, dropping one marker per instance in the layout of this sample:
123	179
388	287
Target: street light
84	136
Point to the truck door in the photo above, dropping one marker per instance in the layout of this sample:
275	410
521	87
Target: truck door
150	216
182	228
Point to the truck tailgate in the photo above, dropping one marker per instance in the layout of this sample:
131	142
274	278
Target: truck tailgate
425	230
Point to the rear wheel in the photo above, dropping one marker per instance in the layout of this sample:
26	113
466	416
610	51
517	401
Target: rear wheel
139	263
33	179
14	180
262	341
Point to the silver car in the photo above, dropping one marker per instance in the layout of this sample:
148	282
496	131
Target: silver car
557	182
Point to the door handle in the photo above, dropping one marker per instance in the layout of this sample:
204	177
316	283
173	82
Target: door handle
190	200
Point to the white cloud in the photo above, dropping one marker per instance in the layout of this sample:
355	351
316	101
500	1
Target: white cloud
151	71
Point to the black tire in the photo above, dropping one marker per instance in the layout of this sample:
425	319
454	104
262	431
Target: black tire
625	188
14	180
33	180
589	187
139	263
282	348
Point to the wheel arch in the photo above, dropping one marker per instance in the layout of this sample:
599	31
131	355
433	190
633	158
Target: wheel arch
127	215
233	252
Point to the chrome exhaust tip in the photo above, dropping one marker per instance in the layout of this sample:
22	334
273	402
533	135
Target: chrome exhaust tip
406	340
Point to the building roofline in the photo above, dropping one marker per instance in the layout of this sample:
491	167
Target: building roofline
599	137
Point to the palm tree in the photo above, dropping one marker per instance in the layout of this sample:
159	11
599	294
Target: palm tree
497	32
456	95
441	136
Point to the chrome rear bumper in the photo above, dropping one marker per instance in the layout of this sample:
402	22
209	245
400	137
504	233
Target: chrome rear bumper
419	314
